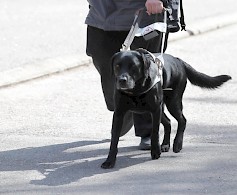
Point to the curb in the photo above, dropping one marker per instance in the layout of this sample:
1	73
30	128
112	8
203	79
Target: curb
60	64
42	68
204	26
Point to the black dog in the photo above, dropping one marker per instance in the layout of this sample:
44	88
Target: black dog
139	88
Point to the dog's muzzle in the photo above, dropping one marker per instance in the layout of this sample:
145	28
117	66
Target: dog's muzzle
123	79
124	82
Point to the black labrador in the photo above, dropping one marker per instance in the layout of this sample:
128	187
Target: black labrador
140	88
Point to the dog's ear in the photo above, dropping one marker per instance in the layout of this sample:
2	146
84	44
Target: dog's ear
112	63
146	60
146	65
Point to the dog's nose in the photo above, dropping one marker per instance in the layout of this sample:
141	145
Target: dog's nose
123	79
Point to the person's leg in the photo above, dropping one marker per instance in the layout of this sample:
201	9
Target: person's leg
143	122
173	18
101	46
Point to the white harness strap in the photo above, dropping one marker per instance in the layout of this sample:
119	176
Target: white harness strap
157	80
159	60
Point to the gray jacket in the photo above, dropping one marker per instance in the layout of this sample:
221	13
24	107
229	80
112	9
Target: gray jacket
116	15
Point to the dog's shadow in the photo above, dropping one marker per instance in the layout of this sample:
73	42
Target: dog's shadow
59	167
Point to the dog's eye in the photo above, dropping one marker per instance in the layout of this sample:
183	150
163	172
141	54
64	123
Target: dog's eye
116	67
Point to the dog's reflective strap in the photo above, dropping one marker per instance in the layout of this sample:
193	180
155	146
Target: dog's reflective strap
160	72
159	60
157	80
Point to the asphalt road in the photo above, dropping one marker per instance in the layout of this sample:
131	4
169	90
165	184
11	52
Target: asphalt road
32	30
55	133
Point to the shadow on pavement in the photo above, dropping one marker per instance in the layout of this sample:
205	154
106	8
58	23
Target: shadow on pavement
59	166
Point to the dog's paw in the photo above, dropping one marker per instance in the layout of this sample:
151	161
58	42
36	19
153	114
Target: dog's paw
178	143
107	165
177	147
165	148
155	155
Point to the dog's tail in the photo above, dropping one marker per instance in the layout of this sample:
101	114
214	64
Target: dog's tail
202	80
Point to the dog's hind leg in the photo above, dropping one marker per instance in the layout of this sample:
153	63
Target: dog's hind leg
167	131
175	108
178	141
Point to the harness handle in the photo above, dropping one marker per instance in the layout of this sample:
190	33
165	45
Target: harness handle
129	39
135	27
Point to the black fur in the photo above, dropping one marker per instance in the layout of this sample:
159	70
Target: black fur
203	80
135	72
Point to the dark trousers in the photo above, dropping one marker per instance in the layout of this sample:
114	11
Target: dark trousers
101	46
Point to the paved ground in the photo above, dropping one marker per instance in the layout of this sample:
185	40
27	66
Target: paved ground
55	133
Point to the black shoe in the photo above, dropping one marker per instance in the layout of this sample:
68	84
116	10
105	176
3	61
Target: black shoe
145	143
127	123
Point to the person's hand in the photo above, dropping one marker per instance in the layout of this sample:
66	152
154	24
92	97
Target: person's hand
154	6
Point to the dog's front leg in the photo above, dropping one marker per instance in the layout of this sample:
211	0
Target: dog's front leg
116	129
155	143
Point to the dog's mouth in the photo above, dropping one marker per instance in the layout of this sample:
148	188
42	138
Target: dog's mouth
124	84
124	87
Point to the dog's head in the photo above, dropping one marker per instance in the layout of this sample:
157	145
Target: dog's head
130	68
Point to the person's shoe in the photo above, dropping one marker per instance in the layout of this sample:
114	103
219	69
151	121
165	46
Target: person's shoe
145	143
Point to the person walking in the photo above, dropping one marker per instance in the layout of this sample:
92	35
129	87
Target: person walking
108	23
